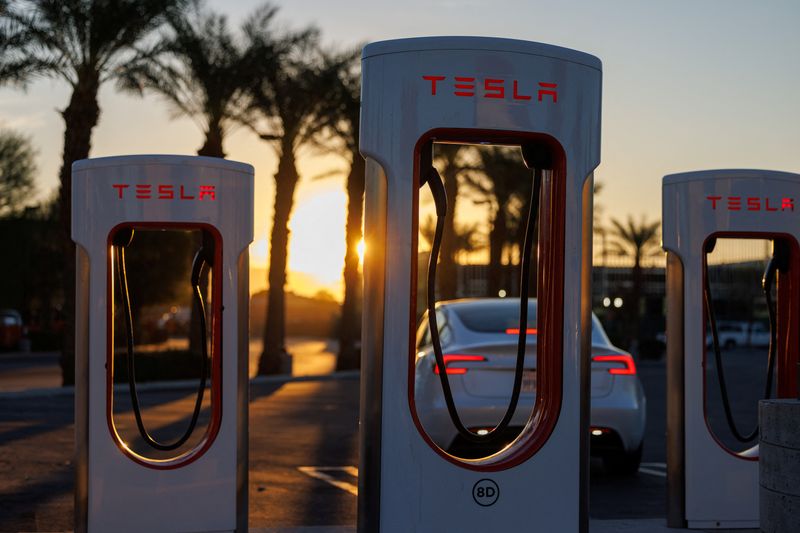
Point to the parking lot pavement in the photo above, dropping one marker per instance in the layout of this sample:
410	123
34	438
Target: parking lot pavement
29	370
38	370
303	457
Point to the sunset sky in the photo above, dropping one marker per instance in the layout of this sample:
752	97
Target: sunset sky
688	85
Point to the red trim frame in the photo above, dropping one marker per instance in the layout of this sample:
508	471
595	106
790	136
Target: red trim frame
550	288
788	314
216	350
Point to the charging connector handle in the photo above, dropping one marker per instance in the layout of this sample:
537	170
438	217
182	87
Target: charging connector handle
201	259
778	262
431	176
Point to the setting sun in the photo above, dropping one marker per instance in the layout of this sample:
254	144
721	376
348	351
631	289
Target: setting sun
317	243
361	247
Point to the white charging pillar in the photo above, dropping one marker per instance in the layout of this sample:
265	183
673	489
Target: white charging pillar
711	485
204	488
476	90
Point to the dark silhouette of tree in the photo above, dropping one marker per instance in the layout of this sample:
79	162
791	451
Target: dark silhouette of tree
17	169
341	114
287	102
451	161
503	184
466	237
203	70
85	43
636	240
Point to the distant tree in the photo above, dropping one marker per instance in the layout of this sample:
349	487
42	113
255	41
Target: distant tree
451	160
466	237
85	43
341	112
637	241
503	183
17	169
287	102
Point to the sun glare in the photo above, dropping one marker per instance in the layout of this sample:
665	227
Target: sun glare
361	248
317	242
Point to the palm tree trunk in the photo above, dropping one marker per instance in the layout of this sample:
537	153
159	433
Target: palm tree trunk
350	326
80	118
497	239
212	147
448	279
274	358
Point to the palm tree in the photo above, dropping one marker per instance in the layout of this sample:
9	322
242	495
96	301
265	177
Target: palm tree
203	71
502	182
17	171
637	241
450	158
341	115
85	43
289	100
467	238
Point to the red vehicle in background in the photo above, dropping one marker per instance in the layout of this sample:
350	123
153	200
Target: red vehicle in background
11	329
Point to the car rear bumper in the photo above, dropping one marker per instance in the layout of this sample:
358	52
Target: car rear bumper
621	411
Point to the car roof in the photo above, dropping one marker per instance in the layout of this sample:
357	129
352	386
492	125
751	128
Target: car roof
487	303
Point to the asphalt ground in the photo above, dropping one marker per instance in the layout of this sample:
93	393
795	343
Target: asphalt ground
303	451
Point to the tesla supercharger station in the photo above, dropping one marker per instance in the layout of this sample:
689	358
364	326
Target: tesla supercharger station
711	485
480	91
203	487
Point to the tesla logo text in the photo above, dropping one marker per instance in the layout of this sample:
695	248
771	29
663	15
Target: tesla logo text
492	88
750	203
146	191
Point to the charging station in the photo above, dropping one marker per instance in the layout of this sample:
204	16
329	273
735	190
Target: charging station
470	90
711	485
199	482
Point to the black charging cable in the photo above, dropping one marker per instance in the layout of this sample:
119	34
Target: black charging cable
430	176
204	257
778	262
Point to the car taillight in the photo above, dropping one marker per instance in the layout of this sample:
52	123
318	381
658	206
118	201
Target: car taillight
457	358
628	368
515	331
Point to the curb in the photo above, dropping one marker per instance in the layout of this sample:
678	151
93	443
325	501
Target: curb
181	385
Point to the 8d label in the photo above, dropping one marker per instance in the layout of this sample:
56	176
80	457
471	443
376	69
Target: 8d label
485	492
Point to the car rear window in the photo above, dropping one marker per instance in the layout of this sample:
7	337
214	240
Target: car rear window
498	317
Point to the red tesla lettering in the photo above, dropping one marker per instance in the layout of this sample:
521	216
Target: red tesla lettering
143	191
184	196
754	204
494	88
734	203
518	96
433	80
787	203
714	201
120	187
208	191
548	91
467	86
166	192
770	208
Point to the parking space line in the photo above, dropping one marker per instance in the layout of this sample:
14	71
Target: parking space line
318	472
649	468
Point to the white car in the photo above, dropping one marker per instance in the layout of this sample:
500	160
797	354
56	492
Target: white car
479	343
735	334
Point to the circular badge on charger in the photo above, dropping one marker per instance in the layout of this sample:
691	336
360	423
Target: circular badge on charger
485	492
